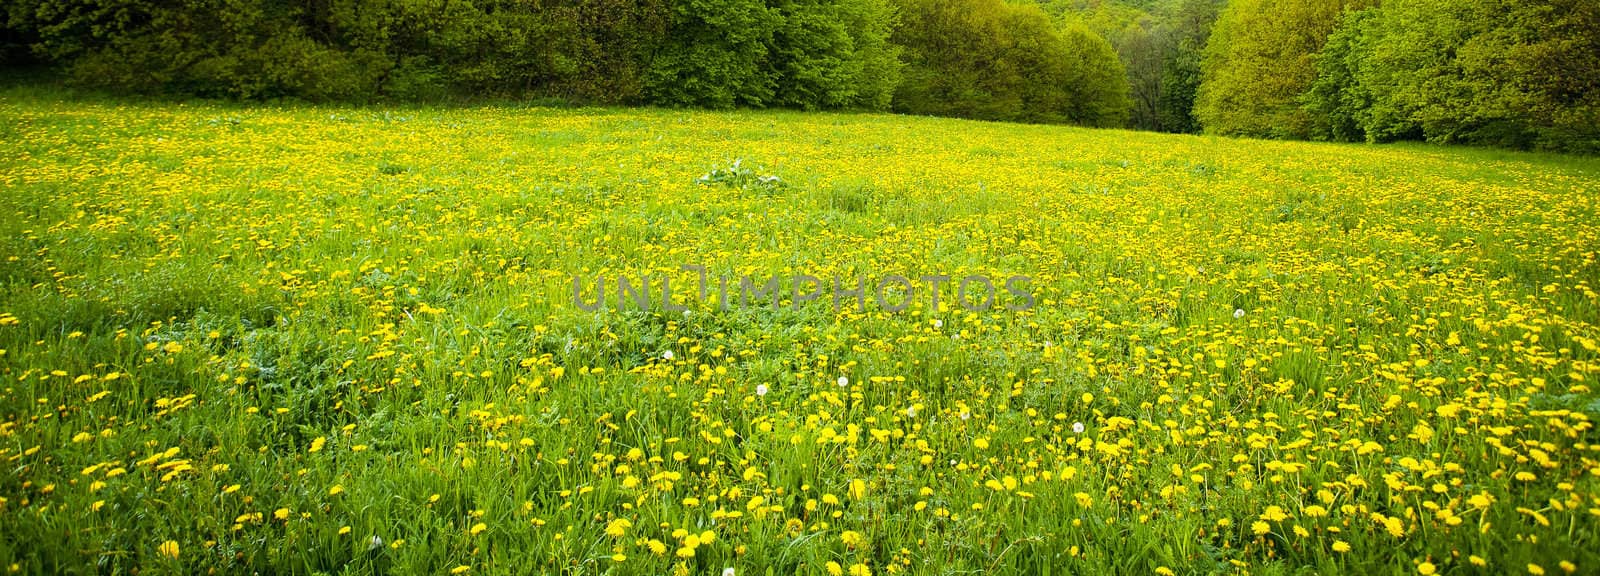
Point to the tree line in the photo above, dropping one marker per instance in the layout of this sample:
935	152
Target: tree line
1515	73
1511	73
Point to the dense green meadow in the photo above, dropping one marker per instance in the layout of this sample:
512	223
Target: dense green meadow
342	340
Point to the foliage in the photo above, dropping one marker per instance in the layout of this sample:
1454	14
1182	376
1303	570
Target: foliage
1159	43
1260	60
992	60
836	54
1511	73
1514	73
1095	84
714	54
1187	30
1339	104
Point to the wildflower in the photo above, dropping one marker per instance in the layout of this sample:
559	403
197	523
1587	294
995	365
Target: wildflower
852	539
169	549
858	489
618	528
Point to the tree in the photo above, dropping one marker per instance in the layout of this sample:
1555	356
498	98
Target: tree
1187	29
834	54
1260	59
613	40
1338	102
799	53
1517	73
715	55
992	60
1513	73
1141	48
1096	84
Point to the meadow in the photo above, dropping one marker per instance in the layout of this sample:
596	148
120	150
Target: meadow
341	340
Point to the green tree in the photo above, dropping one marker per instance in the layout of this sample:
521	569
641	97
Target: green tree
1338	102
834	54
611	42
715	55
1097	90
1187	29
1517	73
1260	59
994	60
327	49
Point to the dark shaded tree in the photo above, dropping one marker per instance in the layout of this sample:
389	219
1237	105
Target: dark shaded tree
994	60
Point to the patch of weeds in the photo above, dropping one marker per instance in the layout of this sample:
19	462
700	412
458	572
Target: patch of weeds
739	177
387	168
853	198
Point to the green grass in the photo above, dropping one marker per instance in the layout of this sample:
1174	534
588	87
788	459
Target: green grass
361	317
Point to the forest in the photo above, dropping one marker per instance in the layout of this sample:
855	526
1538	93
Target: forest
1509	73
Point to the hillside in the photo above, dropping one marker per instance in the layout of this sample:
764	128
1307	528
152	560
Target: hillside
344	339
